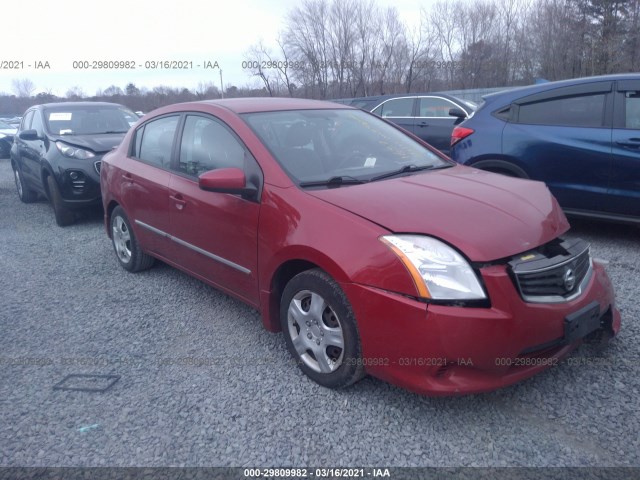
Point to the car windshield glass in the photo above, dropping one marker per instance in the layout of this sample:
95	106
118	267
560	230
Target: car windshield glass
316	146
88	120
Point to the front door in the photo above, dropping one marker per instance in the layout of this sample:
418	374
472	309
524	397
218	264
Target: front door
216	234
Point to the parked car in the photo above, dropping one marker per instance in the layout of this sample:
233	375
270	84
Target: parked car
430	116
370	250
58	150
6	138
581	137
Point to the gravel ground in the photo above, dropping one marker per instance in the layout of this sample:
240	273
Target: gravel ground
67	307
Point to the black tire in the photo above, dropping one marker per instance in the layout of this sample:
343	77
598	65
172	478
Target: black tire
338	367
64	216
128	252
22	187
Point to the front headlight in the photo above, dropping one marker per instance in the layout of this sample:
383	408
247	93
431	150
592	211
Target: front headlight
438	271
74	152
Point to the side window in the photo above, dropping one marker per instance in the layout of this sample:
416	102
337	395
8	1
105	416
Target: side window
398	107
36	123
26	121
435	107
632	109
208	145
577	111
157	140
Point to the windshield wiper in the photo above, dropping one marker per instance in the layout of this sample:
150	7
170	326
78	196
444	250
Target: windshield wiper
408	169
113	131
333	182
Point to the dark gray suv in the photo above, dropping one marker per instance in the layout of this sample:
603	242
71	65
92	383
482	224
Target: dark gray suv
58	150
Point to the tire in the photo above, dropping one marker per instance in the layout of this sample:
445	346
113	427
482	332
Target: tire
24	192
320	330
128	251
64	216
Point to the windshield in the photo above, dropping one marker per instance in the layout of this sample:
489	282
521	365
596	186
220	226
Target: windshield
322	145
88	120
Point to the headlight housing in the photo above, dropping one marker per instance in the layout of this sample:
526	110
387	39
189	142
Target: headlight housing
74	152
439	272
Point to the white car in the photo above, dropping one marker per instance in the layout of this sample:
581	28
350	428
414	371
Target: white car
6	138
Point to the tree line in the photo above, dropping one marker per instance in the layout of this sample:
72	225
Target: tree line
347	48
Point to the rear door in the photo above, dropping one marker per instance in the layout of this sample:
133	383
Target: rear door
216	234
563	137
624	192
144	180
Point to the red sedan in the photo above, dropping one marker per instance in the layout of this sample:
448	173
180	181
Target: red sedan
372	252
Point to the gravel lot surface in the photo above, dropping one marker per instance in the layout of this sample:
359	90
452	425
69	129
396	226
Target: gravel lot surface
66	307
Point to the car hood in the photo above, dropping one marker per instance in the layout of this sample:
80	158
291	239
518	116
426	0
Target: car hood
485	215
95	143
8	131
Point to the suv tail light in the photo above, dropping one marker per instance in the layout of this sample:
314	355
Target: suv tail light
460	133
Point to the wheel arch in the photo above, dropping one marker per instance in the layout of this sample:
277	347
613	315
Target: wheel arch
282	274
111	206
505	166
46	172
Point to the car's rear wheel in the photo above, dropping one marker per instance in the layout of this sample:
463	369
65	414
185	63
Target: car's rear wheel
125	244
64	216
24	192
320	329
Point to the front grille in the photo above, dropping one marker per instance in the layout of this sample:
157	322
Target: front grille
97	166
553	273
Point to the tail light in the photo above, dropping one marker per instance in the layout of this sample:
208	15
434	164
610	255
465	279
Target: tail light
460	133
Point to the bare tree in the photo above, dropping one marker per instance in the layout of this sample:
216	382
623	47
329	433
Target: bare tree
261	65
75	93
306	34
112	91
207	90
444	18
285	67
23	87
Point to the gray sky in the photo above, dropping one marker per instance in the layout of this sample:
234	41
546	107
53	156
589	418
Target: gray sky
64	31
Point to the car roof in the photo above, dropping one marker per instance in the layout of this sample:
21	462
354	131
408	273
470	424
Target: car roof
267	104
77	104
395	95
518	92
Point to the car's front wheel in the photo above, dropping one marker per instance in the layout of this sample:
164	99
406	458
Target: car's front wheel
125	244
320	329
24	193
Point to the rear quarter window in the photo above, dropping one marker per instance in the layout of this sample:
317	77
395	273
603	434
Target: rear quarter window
153	142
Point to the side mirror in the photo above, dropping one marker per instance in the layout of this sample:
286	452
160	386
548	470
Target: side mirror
227	180
457	112
29	135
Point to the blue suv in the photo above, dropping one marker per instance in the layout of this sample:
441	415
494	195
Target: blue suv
581	137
